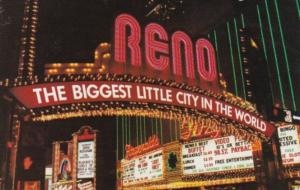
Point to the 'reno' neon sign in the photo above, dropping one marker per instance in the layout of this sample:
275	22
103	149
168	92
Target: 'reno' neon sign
182	57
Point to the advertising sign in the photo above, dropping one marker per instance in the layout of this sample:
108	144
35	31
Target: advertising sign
152	144
289	144
205	128
144	168
65	168
43	95
215	155
156	48
86	160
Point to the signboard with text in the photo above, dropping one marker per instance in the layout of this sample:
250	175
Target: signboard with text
86	160
289	144
216	155
43	95
150	52
145	168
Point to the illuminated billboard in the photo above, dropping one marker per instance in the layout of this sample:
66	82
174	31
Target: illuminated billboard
50	94
289	144
144	168
163	53
215	155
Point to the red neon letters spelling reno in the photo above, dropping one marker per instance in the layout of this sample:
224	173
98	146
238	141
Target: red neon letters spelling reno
157	49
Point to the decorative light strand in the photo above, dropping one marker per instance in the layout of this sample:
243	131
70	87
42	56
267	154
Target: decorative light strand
265	50
275	54
217	51
239	56
285	55
232	59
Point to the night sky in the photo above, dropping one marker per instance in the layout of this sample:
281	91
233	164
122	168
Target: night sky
71	30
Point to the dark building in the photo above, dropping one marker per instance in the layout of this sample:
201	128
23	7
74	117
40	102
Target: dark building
270	27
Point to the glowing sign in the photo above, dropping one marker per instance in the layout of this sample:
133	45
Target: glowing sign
221	154
153	143
289	144
157	49
145	168
49	94
206	128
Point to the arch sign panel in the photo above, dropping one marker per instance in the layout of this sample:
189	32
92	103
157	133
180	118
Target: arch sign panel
44	95
152	54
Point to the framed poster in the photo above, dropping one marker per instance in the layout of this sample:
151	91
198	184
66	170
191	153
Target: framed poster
86	160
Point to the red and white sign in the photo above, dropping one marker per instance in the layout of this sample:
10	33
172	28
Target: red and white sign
49	94
144	168
215	155
169	57
289	144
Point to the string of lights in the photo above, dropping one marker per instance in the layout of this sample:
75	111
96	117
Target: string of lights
28	40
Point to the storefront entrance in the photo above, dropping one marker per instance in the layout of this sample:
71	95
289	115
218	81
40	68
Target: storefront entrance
35	161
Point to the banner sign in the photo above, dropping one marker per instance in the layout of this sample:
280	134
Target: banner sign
142	169
216	155
49	94
289	144
86	160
